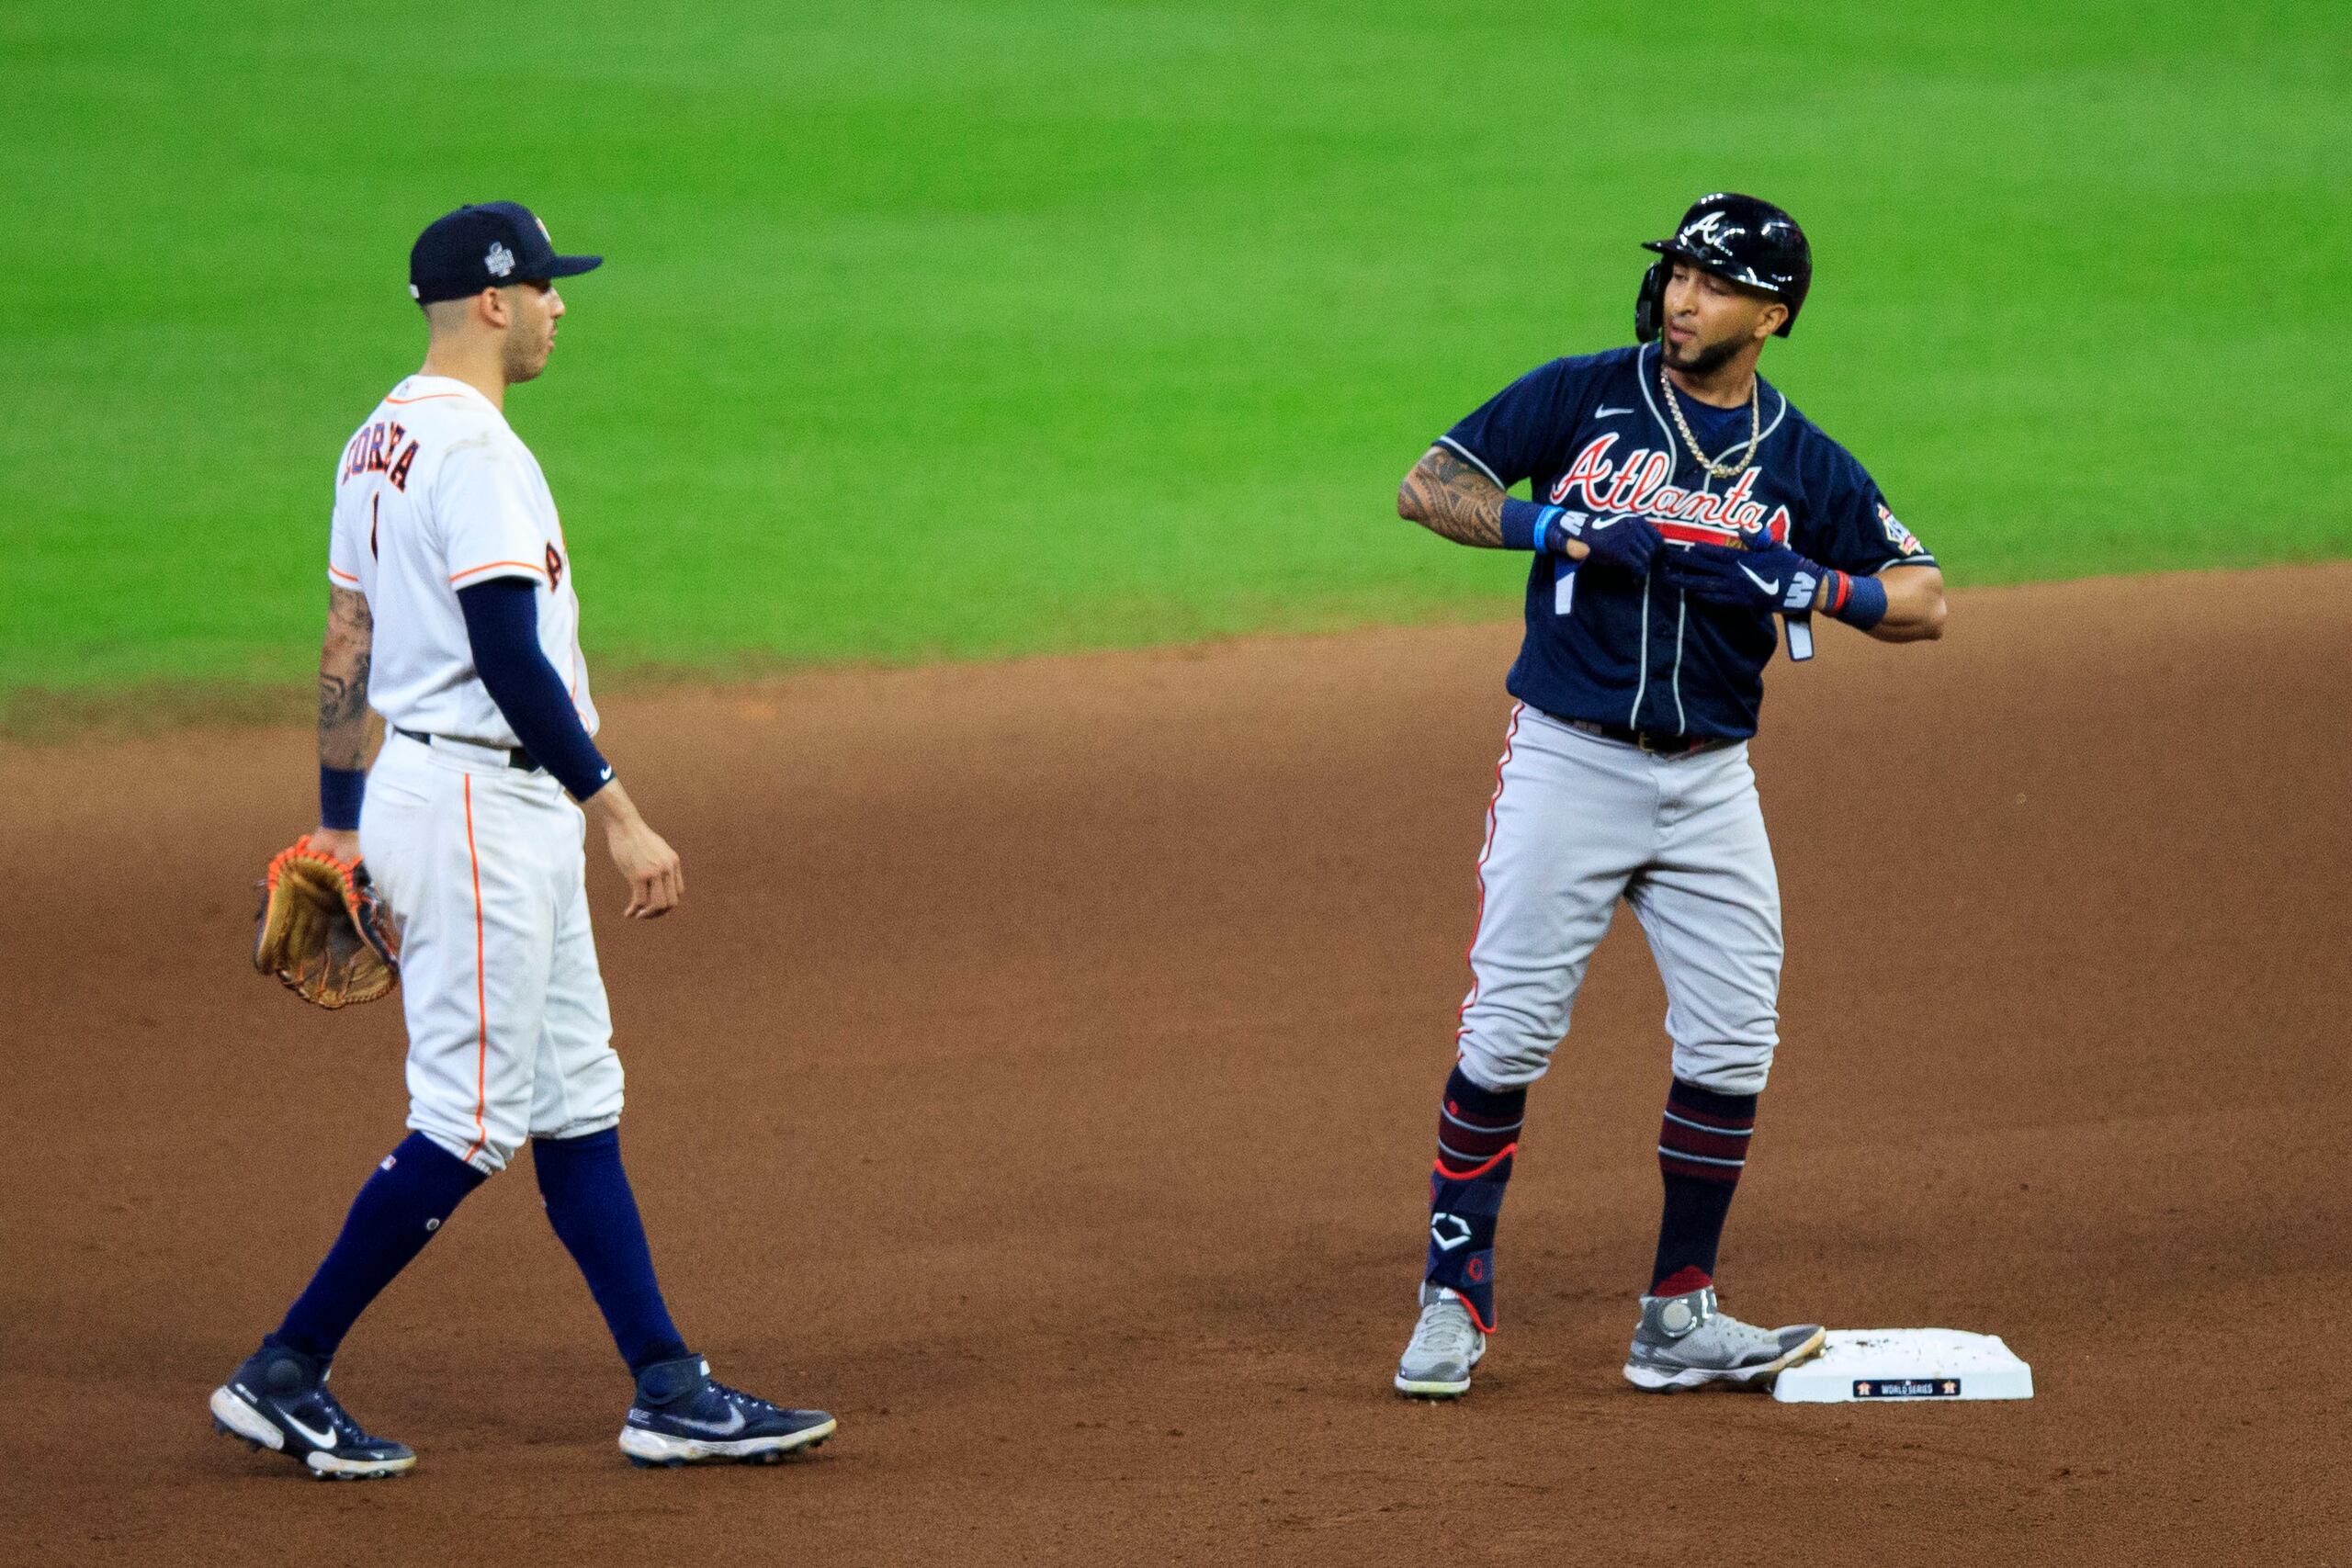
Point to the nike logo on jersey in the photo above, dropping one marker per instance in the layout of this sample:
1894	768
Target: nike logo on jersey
728	1429
607	774
1605	411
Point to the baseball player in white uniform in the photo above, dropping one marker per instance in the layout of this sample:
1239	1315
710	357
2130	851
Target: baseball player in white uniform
454	612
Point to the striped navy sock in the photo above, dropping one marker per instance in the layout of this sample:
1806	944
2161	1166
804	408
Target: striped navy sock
1702	1149
1477	1125
1477	1135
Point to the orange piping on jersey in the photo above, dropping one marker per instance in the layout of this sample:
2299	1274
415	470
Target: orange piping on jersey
344	576
425	399
538	571
481	995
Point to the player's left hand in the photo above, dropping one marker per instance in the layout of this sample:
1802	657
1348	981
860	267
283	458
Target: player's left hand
343	843
1768	577
322	930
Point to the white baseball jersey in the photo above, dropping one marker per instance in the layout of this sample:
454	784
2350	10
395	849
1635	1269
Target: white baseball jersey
434	493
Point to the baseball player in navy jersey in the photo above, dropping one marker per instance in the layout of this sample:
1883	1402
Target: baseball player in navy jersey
454	612
1680	504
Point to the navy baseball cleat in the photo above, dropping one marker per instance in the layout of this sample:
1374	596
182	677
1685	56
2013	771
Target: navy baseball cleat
279	1400
682	1417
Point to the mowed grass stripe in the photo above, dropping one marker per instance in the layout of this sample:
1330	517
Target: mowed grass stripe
948	331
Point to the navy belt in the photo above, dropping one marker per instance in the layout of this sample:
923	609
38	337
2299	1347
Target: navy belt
515	756
1648	740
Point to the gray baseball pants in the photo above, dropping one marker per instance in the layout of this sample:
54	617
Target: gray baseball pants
1578	822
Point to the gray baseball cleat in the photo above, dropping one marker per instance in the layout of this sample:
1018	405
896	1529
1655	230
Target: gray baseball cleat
1446	1344
1687	1341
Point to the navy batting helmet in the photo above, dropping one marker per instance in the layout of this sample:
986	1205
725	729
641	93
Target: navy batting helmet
1750	242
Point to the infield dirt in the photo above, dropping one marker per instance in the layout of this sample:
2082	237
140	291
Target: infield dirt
1041	1077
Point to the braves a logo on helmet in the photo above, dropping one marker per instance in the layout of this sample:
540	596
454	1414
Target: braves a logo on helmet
1706	233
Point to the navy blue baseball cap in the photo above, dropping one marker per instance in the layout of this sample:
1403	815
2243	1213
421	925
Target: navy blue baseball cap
484	245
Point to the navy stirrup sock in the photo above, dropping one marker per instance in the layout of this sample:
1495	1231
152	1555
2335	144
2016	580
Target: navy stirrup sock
1702	1149
417	1186
1477	1135
594	1212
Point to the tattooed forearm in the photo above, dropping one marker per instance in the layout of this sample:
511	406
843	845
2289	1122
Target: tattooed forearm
343	680
1448	495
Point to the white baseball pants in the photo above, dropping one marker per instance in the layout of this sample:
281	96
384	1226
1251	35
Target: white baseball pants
484	865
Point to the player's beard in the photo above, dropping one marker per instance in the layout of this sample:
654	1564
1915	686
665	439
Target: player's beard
1705	362
523	352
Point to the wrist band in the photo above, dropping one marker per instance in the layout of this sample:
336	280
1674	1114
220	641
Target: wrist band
1527	526
341	790
1860	602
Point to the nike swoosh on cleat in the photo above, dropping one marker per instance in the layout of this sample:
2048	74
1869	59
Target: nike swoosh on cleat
1605	411
316	1439
1767	586
733	1425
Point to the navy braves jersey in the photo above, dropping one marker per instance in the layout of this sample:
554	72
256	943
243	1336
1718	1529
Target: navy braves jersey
1594	436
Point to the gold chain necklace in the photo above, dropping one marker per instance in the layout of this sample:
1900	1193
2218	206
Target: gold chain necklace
1727	467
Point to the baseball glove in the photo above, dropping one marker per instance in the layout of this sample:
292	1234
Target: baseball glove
322	930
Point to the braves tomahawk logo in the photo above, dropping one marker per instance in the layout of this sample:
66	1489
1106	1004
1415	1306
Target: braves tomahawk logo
1637	484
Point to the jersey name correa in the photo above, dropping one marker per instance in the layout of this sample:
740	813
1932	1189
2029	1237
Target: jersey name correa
434	493
1593	435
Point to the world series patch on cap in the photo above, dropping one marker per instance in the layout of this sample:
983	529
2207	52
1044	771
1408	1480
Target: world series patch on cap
486	245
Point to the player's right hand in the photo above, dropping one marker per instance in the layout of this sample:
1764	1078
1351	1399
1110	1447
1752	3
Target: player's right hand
1624	543
656	880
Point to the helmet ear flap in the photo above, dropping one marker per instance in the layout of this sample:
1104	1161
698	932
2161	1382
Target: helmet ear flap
1649	305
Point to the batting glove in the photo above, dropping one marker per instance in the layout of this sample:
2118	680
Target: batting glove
1773	577
1619	543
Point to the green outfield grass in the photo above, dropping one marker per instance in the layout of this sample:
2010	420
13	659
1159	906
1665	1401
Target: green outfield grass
951	331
